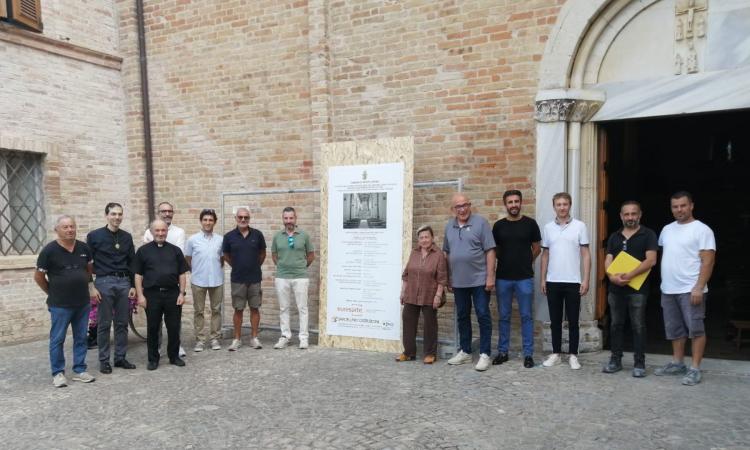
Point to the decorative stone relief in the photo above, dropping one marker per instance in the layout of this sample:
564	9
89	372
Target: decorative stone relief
566	110
690	32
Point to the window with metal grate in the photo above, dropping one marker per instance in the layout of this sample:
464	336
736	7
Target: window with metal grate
22	217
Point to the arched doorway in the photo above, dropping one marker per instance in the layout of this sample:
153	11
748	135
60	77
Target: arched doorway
616	62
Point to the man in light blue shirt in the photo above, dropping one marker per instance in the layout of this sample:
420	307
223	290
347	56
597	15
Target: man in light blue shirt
204	257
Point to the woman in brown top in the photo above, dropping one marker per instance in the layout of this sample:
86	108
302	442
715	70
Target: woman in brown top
423	282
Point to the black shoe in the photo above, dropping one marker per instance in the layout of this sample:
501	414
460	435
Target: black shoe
499	359
152	365
528	362
614	365
177	362
105	367
124	364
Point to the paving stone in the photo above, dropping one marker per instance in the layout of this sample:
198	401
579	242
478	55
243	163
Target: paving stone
330	398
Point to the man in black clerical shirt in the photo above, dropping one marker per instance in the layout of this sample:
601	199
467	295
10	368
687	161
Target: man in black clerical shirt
160	282
113	252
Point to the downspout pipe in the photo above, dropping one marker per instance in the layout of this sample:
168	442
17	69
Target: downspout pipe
146	108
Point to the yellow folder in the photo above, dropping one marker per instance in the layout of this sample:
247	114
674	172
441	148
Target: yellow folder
624	263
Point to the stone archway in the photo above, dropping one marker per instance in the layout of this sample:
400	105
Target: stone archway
618	59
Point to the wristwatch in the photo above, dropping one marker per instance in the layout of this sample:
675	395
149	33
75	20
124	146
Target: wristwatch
184	293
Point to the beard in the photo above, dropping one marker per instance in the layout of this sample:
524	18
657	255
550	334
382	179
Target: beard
630	223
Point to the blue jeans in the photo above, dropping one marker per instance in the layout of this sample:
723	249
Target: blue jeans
524	290
620	307
463	298
78	319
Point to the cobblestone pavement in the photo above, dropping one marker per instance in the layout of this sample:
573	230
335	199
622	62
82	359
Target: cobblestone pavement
329	398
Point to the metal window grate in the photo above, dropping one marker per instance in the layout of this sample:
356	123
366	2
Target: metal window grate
22	217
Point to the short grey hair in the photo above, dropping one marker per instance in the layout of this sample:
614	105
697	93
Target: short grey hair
154	222
64	217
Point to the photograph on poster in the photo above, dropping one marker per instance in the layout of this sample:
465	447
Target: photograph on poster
365	210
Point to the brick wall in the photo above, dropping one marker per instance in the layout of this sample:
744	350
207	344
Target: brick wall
244	93
71	111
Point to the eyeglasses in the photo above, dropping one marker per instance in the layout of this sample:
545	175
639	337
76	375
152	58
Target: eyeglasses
208	211
462	206
290	241
166	211
243	217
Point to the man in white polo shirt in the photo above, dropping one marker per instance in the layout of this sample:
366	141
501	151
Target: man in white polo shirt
565	249
689	252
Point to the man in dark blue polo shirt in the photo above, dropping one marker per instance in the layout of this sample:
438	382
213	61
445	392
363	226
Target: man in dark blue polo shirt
63	273
245	250
113	252
160	282
641	243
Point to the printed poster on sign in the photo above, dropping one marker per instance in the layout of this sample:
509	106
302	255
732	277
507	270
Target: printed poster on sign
365	228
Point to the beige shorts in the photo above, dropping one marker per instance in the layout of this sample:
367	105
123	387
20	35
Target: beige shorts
246	294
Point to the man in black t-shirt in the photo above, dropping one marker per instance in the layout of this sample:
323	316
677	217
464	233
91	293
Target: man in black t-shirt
518	244
641	243
63	273
160	282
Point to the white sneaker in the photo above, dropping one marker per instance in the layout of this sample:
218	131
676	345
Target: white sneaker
255	343
215	345
552	360
283	342
199	346
182	352
236	344
303	344
59	380
83	377
573	361
483	363
460	358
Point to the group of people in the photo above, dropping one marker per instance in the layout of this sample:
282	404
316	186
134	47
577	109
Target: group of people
476	259
108	271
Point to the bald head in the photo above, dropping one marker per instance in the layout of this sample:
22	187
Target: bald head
159	229
461	206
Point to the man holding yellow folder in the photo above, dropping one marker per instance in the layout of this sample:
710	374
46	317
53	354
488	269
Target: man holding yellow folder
631	253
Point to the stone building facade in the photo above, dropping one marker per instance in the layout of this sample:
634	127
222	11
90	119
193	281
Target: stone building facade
499	94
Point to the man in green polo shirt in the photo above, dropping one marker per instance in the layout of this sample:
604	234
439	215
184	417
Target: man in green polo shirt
292	252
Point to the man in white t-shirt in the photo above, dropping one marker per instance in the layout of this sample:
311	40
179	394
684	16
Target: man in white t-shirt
175	236
565	272
689	252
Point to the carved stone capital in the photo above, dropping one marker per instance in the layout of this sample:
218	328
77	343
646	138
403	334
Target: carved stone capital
566	110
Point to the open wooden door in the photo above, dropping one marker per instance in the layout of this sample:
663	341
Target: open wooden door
602	224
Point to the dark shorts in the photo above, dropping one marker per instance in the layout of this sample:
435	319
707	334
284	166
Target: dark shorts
681	318
246	294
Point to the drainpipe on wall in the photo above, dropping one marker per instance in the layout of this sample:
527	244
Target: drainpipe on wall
146	107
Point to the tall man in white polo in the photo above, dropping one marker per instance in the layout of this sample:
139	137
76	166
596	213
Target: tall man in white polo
204	257
565	272
689	253
292	252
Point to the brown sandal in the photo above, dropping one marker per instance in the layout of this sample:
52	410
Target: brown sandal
402	357
429	359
